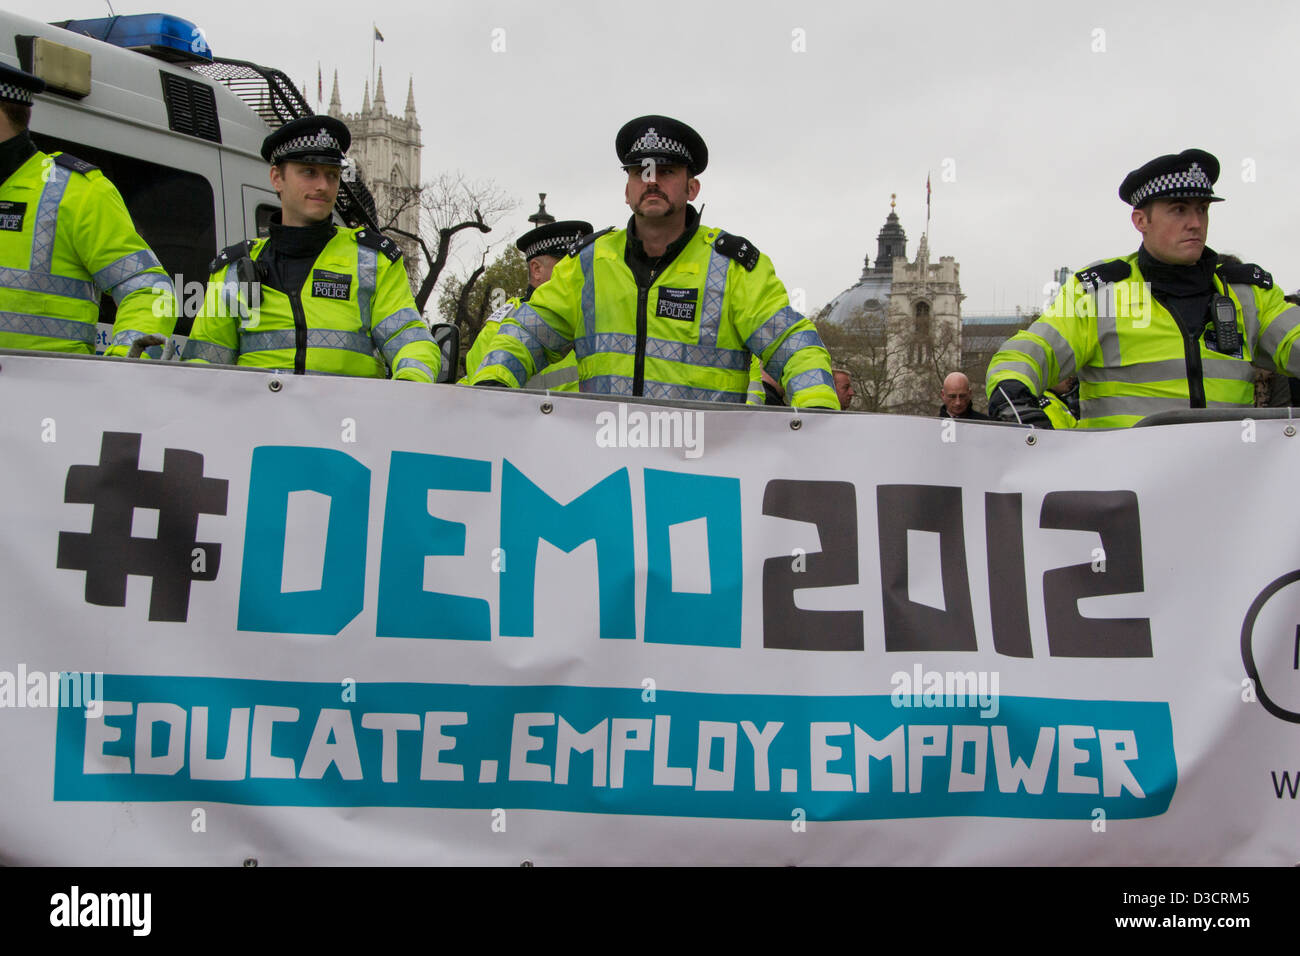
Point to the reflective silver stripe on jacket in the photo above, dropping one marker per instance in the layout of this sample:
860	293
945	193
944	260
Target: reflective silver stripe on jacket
586	259
809	379
128	267
403	339
47	218
622	385
542	335
47	284
1249	314
1066	360
1107	329
506	361
20	323
781	322
386	329
415	364
785	351
1170	370
623	343
367	277
208	352
554	378
1107	405
253	341
146	280
1024	368
715	287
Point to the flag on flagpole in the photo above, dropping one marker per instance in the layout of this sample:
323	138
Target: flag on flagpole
927	199
378	36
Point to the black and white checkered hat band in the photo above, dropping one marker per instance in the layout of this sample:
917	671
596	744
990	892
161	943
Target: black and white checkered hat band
1193	181
321	141
14	94
552	246
652	143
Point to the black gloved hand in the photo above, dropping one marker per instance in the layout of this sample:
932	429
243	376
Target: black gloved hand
1012	402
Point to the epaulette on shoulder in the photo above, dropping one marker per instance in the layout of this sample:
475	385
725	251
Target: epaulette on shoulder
738	248
587	240
1246	272
373	239
1103	273
499	313
231	254
77	165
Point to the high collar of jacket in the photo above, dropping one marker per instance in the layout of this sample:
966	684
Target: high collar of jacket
15	151
300	242
1178	280
636	248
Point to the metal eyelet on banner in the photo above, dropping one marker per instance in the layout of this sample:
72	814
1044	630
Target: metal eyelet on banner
251	861
274	385
796	424
547	408
1031	439
527	863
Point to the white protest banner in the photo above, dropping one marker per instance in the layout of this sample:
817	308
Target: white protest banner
311	620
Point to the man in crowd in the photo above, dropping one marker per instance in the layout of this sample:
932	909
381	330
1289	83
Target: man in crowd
1168	327
65	239
542	248
313	297
668	307
955	393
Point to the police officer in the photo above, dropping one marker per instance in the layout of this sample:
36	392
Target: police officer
313	297
542	248
66	238
1171	326
668	307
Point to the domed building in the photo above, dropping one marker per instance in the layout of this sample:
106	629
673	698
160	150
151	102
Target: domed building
898	328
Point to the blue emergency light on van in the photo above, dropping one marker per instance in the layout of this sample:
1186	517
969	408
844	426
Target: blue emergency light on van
162	35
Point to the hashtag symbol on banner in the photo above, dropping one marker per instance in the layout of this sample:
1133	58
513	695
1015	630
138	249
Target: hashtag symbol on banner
109	552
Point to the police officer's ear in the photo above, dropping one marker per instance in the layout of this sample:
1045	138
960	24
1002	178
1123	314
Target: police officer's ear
277	178
692	189
1141	219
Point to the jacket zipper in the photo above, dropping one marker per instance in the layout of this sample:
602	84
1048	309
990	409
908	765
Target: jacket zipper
300	334
642	330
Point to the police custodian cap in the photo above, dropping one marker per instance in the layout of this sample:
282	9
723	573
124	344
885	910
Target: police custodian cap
552	239
17	86
1190	174
311	139
663	139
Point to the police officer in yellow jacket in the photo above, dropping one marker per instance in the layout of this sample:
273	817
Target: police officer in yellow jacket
542	248
1168	327
666	308
66	238
313	297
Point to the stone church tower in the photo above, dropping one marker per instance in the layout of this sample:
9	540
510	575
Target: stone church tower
386	149
903	320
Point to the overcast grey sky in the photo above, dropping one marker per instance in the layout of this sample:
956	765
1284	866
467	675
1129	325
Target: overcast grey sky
1025	115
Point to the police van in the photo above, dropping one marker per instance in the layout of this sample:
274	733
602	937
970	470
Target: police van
178	131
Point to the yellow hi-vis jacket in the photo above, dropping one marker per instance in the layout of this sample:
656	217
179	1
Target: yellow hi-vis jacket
353	316
1131	355
65	238
561	376
689	336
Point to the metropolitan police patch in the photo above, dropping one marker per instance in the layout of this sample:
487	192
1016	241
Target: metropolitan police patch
677	304
11	216
330	285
